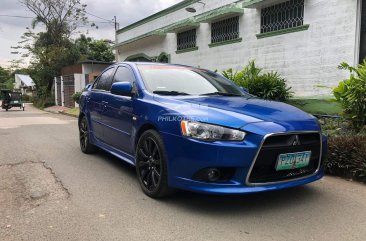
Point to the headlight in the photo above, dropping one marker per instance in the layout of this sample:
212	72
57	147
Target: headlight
207	132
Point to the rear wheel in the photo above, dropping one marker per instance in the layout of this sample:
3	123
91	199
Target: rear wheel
151	165
85	144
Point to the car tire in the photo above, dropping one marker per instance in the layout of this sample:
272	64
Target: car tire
85	144
151	165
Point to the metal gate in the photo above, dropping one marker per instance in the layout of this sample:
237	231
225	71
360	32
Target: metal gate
69	90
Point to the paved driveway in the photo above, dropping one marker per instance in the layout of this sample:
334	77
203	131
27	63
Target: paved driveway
49	190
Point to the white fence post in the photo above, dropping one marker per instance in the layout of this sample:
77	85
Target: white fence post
56	102
62	92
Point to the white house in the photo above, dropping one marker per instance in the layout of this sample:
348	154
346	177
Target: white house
304	40
24	83
74	78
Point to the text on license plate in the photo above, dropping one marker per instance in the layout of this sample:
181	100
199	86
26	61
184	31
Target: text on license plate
290	161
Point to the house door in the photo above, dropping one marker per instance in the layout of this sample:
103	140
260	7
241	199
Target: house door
363	31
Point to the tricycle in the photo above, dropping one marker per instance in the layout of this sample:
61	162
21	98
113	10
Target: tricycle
11	99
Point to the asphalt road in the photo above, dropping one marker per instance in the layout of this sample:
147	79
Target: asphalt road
49	190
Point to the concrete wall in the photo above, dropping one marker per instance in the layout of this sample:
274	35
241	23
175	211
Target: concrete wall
93	68
307	59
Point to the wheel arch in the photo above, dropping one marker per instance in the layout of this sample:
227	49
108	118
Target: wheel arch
141	130
81	115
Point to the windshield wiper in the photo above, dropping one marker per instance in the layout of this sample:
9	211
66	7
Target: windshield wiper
172	92
221	93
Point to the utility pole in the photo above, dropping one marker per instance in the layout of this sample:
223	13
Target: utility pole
115	23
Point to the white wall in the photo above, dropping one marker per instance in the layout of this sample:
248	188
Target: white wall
92	68
307	59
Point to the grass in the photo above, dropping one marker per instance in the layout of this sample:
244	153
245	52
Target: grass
73	112
318	106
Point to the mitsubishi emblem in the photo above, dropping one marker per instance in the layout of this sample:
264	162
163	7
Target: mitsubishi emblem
296	141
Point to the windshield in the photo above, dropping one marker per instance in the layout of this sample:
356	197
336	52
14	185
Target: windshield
176	80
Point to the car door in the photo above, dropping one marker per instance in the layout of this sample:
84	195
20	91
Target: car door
96	105
119	113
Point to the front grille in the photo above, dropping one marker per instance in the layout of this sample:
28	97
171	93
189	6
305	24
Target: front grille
264	169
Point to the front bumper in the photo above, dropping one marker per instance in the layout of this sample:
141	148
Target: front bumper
187	156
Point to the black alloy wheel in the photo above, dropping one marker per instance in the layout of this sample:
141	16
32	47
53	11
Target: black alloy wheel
85	144
151	165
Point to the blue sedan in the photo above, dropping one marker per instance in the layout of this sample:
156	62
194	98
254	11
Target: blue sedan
189	128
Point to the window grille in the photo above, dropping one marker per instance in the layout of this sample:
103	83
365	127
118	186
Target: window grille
282	16
224	30
187	39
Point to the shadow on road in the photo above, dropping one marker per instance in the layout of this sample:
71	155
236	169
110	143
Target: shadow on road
293	200
246	204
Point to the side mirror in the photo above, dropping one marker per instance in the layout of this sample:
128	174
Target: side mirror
122	88
245	90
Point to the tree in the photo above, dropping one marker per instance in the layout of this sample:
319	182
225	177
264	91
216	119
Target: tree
6	81
51	50
90	49
60	17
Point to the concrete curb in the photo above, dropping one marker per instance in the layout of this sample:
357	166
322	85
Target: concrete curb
61	113
67	114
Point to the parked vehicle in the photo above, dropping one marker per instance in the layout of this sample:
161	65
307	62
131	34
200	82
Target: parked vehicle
11	99
189	128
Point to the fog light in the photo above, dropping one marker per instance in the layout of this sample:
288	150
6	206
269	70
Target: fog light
213	174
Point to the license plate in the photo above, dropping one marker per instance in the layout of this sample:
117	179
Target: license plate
16	102
290	161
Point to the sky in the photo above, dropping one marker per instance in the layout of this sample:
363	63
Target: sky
127	12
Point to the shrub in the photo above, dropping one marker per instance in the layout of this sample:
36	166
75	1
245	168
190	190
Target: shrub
26	97
347	157
42	102
270	86
351	93
76	97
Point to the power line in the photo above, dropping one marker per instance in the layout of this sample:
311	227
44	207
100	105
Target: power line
114	21
106	20
98	17
14	16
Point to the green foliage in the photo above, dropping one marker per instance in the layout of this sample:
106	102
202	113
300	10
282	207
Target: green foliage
100	50
6	80
351	93
26	98
90	49
270	86
76	97
318	106
43	102
347	157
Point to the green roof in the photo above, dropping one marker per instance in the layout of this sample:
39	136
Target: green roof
260	3
181	25
225	11
146	35
157	15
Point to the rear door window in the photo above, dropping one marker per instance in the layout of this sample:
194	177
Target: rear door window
104	82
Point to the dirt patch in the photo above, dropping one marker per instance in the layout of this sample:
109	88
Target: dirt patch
25	186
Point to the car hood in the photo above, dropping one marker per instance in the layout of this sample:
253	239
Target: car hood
237	111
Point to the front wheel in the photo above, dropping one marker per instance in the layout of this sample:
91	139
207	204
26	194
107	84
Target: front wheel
151	165
85	144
